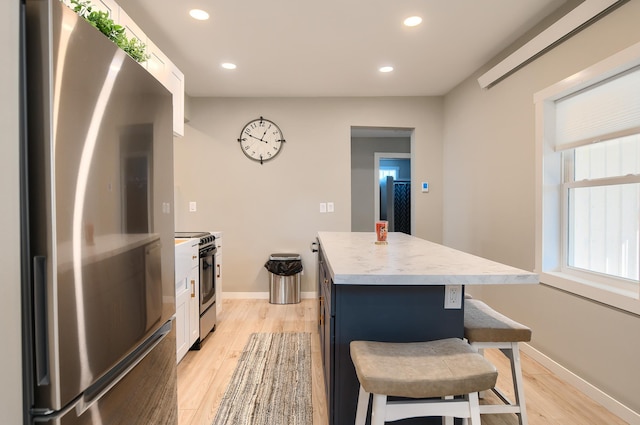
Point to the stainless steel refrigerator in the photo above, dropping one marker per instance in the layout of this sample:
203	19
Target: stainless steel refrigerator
97	225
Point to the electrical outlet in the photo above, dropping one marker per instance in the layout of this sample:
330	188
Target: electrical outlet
192	206
453	296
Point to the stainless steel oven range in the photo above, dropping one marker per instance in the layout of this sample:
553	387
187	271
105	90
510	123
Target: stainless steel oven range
207	253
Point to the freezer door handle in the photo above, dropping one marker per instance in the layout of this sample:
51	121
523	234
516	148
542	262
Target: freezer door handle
40	319
103	385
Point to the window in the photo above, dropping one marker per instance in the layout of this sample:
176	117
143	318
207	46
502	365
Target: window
601	189
389	172
588	182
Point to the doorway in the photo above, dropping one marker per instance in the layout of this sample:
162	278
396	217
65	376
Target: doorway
392	190
368	146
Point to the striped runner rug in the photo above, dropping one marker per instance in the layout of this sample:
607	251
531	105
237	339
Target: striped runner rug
271	384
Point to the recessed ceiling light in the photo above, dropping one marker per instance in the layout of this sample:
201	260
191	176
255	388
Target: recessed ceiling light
412	21
229	65
386	69
199	14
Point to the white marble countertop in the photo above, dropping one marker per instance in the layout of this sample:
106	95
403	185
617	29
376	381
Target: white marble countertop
354	259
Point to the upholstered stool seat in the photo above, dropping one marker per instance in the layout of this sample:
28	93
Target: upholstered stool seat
420	370
484	328
484	324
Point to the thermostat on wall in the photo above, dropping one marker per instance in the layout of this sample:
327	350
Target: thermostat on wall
425	186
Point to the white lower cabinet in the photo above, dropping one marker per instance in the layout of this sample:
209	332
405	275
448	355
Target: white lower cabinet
194	305
218	236
187	295
182	321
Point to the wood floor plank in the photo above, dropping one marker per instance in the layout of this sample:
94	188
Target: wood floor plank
204	375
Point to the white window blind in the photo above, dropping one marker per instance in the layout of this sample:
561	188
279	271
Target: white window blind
608	110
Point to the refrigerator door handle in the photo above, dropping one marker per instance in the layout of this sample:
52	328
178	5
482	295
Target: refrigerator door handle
40	319
48	415
104	384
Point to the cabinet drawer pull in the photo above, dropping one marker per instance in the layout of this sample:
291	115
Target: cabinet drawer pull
218	270
193	288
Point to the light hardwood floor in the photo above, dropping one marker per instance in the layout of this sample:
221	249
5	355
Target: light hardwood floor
203	375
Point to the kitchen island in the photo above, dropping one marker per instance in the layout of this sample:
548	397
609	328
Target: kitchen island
393	292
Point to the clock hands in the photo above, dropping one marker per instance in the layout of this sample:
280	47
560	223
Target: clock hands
259	138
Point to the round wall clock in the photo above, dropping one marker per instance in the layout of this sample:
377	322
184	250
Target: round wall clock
261	140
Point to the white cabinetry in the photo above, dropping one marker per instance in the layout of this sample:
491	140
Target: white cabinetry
187	295
109	6
194	303
172	78
131	29
161	67
218	236
175	81
158	63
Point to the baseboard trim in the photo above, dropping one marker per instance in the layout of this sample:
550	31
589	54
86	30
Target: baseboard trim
591	391
260	295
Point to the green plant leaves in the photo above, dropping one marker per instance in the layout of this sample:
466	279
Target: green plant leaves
114	32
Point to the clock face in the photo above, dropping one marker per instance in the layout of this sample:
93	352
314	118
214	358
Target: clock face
261	140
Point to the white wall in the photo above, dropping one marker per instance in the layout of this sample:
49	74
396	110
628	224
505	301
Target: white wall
274	207
10	333
489	208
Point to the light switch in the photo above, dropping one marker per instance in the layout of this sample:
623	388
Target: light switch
323	207
330	207
192	206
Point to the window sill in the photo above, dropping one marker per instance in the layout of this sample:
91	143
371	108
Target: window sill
624	300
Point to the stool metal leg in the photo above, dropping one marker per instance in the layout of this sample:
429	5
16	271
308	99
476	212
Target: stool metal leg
363	406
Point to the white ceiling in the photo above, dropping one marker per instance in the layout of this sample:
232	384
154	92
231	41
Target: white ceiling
310	48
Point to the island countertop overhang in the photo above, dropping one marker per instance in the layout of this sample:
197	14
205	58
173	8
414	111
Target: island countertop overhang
353	258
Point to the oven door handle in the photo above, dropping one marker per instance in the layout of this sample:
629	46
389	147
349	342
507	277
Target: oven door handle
208	252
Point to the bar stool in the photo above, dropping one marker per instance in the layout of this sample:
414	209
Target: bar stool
486	328
420	370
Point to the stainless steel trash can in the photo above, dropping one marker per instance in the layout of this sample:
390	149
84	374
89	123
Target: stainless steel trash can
284	278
